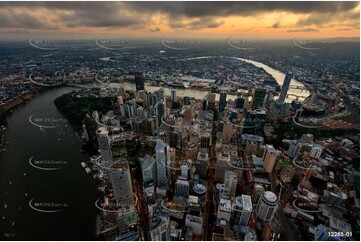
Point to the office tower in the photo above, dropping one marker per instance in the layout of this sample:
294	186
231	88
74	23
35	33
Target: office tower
224	212
185	171
159	225
230	182
294	148
227	133
242	210
182	188
222	163
186	101
204	104
269	158
161	160
222	100
205	140
267	206
173	95
285	87
149	171
258	98
191	151
239	102
121	182
139	81
159	112
202	164
211	101
104	146
254	122
316	151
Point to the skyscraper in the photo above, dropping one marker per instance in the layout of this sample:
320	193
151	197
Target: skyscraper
258	98
173	95
121	182
267	206
104	146
269	158
285	87
161	160
242	210
294	148
139	81
222	100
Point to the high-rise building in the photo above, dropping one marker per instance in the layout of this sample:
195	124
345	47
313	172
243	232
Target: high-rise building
240	102
269	158
121	182
148	169
258	98
227	133
285	87
202	164
230	182
316	151
294	148
173	95
182	188
222	100
139	81
104	146
159	112
186	101
159	225
205	140
242	210
161	160
267	206
211	105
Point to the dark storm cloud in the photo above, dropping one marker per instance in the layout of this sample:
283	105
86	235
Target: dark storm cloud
12	19
137	14
157	29
303	30
276	25
199	23
224	9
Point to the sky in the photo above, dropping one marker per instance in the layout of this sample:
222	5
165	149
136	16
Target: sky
205	20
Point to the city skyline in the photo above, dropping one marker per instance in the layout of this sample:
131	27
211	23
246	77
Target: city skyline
264	20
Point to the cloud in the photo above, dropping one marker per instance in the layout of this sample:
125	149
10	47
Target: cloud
195	24
276	25
11	19
303	30
156	29
186	15
225	9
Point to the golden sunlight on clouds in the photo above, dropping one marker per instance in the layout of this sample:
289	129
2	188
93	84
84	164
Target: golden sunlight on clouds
82	20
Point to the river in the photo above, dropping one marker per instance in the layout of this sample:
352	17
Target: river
65	188
277	75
